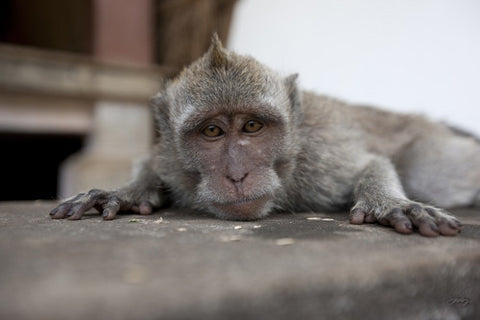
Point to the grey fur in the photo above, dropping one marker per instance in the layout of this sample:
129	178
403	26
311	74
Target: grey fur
326	155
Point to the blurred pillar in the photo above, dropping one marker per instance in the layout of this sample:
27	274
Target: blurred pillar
123	31
122	131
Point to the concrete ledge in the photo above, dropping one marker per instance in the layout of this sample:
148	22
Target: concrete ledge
185	265
29	70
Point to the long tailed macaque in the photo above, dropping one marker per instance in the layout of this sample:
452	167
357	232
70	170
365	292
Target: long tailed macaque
238	140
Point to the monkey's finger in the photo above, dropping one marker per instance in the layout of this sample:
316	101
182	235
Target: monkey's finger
357	216
398	220
455	223
447	225
61	211
54	211
427	228
111	208
370	217
448	229
97	198
423	220
79	210
145	207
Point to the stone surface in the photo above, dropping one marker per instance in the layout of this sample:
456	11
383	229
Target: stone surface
186	265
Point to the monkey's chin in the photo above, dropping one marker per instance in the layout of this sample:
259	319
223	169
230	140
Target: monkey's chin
249	209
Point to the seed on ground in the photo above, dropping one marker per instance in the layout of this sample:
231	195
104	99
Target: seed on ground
158	221
319	219
284	241
230	238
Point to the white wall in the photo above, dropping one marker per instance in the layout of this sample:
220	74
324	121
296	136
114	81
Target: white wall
410	55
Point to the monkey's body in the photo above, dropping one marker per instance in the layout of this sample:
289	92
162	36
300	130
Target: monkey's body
238	141
435	165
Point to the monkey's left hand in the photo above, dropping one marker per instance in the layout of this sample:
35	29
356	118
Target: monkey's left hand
380	198
109	203
404	214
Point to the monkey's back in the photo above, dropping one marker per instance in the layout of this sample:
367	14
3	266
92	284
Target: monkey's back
375	130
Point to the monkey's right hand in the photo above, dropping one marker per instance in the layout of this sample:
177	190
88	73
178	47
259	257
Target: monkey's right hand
109	203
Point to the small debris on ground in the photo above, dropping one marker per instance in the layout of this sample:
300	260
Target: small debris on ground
257	226
229	238
237	227
134	220
284	241
158	221
181	229
319	219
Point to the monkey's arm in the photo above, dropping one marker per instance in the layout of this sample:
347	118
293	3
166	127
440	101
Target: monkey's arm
141	195
379	196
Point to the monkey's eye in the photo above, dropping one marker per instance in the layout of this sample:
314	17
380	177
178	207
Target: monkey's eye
212	131
252	126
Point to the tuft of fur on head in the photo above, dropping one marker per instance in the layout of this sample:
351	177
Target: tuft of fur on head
217	54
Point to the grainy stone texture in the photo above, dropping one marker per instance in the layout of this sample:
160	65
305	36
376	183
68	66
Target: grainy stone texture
186	265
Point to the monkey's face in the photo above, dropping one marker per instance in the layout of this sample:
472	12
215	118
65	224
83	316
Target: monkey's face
231	124
236	157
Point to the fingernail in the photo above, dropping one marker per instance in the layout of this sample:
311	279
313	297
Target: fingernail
408	226
454	226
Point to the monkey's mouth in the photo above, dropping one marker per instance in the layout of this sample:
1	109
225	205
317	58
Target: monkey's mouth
244	209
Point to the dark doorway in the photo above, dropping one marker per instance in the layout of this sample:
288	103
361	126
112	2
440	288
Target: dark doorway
31	162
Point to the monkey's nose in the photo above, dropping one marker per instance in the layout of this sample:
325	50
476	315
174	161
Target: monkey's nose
237	179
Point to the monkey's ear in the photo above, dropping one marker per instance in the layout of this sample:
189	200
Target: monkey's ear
217	53
294	97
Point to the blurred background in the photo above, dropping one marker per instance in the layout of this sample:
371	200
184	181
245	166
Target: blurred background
75	76
406	55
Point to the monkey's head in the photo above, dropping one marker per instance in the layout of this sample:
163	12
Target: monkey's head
231	124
